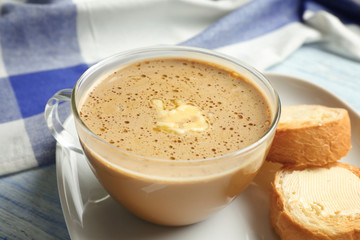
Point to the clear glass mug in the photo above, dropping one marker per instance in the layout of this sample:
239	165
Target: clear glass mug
161	191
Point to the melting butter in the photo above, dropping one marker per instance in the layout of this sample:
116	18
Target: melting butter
181	119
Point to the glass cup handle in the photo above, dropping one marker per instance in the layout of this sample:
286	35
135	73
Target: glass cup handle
54	123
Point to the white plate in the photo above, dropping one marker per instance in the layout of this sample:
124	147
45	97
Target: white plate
91	214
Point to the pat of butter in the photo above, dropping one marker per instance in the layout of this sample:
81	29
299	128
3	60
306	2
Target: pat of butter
181	119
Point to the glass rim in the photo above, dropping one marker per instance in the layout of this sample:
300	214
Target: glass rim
166	48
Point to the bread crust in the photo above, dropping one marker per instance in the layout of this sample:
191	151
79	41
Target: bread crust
313	143
289	229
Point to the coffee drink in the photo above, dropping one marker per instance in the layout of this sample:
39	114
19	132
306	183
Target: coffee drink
172	136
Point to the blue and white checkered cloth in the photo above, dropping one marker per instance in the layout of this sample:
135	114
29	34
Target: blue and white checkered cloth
45	45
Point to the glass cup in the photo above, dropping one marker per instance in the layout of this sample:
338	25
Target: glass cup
164	191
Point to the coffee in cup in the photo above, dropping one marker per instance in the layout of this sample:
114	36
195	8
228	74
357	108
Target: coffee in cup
174	133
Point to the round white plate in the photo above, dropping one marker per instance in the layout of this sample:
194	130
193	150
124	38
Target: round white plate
91	214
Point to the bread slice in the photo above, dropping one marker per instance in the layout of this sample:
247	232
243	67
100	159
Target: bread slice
316	203
311	135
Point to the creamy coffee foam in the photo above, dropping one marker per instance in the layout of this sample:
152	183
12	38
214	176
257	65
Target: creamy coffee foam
176	109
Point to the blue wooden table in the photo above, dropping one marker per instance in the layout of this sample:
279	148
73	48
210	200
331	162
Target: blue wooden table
29	201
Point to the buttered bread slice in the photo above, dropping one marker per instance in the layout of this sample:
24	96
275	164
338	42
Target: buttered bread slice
311	135
316	203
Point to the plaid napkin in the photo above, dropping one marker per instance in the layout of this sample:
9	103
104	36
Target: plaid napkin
45	45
